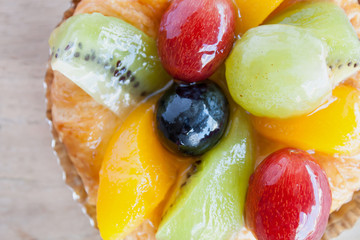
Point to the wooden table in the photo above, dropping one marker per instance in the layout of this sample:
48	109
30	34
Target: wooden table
35	204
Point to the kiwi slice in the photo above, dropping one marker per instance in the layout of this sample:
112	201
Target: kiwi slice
330	23
211	204
111	60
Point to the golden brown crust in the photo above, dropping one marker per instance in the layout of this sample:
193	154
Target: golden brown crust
142	14
84	126
338	222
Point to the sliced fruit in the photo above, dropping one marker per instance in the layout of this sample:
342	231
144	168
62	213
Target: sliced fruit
284	5
332	128
112	61
211	204
289	197
330	23
254	12
136	175
191	119
195	37
278	71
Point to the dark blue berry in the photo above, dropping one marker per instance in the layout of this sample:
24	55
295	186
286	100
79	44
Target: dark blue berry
191	118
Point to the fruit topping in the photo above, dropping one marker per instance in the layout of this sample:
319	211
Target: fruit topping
112	61
288	198
329	23
191	118
195	37
136	175
253	13
210	206
279	71
332	128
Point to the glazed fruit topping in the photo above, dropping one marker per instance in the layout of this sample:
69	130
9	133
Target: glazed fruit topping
288	197
333	128
213	199
192	118
195	37
324	19
290	67
266	72
253	13
136	175
112	61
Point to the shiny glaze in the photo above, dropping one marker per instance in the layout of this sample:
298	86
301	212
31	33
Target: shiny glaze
289	197
195	37
211	204
192	118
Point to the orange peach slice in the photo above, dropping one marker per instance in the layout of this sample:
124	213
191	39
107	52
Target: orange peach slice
332	128
254	12
136	175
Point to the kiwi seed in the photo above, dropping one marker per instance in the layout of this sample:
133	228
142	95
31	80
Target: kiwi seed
118	64
70	45
118	70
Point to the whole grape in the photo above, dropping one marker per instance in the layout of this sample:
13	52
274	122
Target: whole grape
191	118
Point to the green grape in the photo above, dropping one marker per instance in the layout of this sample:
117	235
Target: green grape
279	71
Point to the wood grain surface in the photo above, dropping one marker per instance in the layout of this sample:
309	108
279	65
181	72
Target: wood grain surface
35	204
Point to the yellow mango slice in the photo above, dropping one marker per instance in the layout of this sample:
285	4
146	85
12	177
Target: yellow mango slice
332	128
136	175
254	12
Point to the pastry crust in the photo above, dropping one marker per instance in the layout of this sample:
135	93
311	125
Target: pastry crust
70	111
84	126
142	14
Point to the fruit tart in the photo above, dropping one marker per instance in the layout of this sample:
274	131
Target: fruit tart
209	119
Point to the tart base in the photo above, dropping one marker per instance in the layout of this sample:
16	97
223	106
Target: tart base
70	174
339	221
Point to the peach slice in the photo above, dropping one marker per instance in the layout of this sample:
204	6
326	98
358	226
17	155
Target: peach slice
333	128
253	12
136	175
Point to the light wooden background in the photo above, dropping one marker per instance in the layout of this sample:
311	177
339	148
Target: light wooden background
35	204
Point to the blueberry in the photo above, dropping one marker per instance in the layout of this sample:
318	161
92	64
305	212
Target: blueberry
191	118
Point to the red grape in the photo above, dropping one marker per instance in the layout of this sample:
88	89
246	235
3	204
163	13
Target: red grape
195	37
288	197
